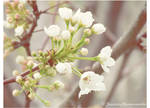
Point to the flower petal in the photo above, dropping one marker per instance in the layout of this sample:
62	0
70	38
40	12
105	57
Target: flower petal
105	68
106	51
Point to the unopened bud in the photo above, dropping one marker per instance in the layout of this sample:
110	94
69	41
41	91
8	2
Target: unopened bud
87	40
27	83
17	16
18	79
37	75
84	51
58	85
30	63
87	32
15	73
15	92
20	59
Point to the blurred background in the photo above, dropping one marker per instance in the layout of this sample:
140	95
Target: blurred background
128	92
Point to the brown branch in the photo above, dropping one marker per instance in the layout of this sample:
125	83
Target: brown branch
129	39
13	79
27	102
122	45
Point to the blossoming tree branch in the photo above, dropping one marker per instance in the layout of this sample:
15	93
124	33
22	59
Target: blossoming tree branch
63	53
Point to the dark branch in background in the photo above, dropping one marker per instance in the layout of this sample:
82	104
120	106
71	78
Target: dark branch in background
119	76
113	15
120	47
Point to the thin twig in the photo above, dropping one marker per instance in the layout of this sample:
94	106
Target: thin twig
13	79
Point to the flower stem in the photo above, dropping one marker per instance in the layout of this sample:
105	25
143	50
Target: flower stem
52	43
76	71
85	58
42	86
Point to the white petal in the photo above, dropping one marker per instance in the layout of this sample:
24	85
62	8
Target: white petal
86	91
105	68
110	62
93	82
106	51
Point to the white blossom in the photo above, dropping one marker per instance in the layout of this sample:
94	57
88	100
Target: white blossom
83	18
8	25
15	92
30	63
84	51
19	31
105	58
65	34
37	75
65	13
86	19
64	68
20	59
15	73
76	16
52	31
91	81
18	79
98	28
59	84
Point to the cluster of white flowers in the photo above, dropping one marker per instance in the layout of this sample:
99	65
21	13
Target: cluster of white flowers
84	19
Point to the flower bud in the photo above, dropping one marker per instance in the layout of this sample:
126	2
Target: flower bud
31	96
27	83
18	79
58	85
65	34
87	32
30	63
98	28
15	92
84	51
20	6
17	16
71	29
20	59
15	73
37	75
19	30
87	41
